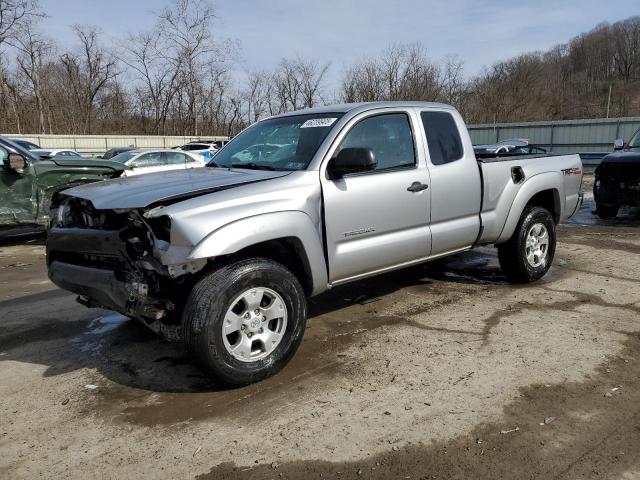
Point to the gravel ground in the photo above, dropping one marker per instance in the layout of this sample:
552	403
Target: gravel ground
439	371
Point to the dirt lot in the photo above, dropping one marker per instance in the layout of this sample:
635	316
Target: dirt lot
441	371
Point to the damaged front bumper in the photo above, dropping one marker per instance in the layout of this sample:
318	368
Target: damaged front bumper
107	259
95	265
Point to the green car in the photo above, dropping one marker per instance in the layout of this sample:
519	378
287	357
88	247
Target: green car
27	184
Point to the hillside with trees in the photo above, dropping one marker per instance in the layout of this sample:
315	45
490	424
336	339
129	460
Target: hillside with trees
176	78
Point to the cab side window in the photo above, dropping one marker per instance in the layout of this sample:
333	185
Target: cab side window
390	138
443	138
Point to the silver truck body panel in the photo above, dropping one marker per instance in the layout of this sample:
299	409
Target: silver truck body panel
456	195
372	221
143	190
504	199
351	227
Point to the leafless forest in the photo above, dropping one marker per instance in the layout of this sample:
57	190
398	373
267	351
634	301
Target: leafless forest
177	78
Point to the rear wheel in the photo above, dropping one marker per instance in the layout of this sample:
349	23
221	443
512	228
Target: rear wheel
244	321
607	211
528	254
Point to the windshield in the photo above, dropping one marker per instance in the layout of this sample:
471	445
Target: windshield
284	143
124	157
635	140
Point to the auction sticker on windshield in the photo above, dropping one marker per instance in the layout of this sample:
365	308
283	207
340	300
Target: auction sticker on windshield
318	122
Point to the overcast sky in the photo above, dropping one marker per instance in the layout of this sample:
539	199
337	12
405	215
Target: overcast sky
480	32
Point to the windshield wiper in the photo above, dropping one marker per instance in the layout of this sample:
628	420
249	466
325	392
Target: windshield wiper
252	166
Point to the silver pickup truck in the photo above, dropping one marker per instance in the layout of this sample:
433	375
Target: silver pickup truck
224	257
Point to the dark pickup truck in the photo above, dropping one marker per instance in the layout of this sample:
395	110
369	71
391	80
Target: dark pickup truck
617	178
27	184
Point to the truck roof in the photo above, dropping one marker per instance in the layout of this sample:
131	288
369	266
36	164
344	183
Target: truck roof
349	107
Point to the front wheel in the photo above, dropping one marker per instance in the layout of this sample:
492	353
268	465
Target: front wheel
528	254
606	212
244	321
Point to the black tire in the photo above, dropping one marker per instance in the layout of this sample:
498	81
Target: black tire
207	306
606	212
513	254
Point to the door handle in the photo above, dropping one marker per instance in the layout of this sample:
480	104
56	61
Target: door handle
417	187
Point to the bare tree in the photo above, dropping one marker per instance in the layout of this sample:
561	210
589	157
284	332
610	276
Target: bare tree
147	54
401	72
188	25
298	83
33	51
15	12
88	72
258	93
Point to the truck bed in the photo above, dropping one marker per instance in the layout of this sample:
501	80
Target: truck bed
507	181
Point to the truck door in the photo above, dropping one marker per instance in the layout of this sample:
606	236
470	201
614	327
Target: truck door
378	219
18	199
455	182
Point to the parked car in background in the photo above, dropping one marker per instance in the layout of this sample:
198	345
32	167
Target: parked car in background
115	151
149	161
617	178
294	205
26	144
516	146
48	153
206	149
27	183
198	145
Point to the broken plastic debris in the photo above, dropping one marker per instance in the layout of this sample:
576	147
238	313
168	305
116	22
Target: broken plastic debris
548	420
90	386
504	432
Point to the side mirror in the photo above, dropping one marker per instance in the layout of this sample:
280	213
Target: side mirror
618	144
353	160
15	162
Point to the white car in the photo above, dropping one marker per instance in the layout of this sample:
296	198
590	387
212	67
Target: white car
46	153
148	161
206	148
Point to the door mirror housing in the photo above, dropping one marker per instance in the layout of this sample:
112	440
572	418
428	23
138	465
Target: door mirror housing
15	162
618	144
353	160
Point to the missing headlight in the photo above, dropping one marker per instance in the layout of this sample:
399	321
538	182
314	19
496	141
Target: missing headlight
161	227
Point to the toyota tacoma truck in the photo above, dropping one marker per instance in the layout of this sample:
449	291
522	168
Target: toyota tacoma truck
28	182
617	178
224	257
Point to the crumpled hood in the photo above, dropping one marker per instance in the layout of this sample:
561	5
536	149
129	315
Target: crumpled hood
153	188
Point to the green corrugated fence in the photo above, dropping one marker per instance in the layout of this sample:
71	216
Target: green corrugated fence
561	136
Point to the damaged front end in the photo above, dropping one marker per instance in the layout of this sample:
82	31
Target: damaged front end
618	182
112	259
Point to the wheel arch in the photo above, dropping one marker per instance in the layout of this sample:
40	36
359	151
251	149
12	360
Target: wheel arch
289	238
544	190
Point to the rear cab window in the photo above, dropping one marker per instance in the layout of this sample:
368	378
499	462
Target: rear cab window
443	137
